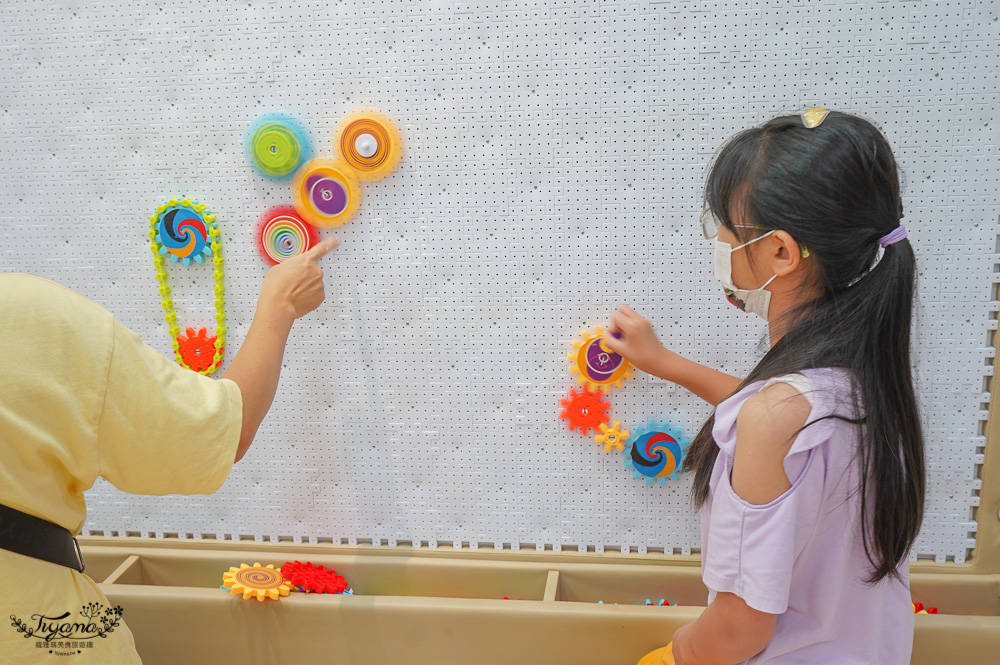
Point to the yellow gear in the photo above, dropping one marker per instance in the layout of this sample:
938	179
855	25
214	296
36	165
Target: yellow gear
612	437
596	366
326	192
256	581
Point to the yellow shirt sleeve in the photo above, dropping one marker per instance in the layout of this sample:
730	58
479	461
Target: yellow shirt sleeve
164	429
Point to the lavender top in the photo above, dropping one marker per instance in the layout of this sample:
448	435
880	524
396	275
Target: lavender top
801	556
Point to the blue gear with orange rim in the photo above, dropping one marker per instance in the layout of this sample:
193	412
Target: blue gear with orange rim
656	452
183	231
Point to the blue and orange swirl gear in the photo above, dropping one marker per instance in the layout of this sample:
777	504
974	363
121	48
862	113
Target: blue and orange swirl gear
192	210
256	581
656	452
584	410
595	365
182	233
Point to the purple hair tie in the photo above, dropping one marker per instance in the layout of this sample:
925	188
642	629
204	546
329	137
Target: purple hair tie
895	235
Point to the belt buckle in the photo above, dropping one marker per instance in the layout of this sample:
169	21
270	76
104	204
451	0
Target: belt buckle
79	555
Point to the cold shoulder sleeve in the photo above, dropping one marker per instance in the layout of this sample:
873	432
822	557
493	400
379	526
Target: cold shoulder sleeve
751	549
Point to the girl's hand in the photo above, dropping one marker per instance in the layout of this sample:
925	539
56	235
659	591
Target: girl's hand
295	286
637	342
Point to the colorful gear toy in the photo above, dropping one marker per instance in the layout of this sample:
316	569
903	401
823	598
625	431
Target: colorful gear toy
918	608
369	143
180	223
182	231
663	603
584	410
612	437
256	581
276	145
281	234
326	192
596	366
313	578
656	452
197	349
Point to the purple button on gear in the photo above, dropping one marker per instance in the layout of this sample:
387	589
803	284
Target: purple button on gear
328	195
601	364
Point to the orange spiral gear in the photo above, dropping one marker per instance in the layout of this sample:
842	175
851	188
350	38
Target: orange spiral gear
197	349
256	581
370	143
584	410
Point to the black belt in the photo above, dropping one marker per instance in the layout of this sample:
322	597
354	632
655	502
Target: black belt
32	536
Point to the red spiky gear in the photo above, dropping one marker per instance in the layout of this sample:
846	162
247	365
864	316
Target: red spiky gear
312	577
584	410
197	349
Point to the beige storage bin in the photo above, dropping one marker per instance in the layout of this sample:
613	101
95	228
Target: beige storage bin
446	606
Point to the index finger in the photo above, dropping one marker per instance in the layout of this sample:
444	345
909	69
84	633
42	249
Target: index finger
321	249
627	311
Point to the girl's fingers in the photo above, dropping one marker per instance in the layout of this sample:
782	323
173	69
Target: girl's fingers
613	344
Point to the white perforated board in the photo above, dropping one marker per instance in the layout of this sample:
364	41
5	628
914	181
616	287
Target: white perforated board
554	158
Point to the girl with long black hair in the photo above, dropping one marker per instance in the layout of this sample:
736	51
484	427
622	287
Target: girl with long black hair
810	472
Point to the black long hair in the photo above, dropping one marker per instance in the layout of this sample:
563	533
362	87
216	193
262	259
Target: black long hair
835	189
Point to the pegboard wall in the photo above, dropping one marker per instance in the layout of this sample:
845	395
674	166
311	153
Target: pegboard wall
553	164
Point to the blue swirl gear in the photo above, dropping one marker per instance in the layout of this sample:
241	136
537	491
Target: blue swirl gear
656	452
183	232
276	145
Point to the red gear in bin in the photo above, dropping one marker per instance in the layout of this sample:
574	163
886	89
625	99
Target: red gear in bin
584	410
313	577
197	349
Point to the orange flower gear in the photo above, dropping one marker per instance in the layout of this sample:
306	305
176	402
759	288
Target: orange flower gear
584	410
197	349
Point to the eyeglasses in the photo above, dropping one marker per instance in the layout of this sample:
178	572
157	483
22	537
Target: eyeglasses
710	225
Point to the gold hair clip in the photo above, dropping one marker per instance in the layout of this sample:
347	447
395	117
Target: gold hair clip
814	117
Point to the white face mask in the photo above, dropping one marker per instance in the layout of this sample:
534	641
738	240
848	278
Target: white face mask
756	300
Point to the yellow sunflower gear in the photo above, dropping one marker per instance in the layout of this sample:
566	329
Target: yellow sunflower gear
256	581
612	437
589	348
